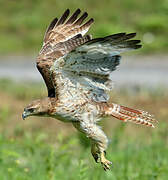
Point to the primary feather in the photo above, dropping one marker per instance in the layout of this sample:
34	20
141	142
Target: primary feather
62	36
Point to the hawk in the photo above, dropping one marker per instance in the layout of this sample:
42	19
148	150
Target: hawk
76	70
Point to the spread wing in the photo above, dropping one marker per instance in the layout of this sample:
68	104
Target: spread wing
61	37
74	66
92	63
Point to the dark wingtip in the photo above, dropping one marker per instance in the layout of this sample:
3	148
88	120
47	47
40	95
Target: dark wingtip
63	17
52	24
91	20
67	11
74	16
138	46
81	19
85	14
78	10
132	34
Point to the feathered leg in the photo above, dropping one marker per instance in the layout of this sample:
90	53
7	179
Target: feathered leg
128	114
99	141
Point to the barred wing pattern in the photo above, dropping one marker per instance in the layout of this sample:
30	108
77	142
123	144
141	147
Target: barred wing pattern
93	62
61	37
74	65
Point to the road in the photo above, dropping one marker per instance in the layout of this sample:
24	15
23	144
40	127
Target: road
149	71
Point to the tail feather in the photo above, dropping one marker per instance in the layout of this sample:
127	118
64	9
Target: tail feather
127	114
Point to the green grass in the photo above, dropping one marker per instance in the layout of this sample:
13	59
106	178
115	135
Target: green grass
32	157
23	24
45	149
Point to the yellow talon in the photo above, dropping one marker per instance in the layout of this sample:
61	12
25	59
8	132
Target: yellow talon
105	163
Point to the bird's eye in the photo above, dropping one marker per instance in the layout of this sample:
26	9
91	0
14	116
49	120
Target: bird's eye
31	110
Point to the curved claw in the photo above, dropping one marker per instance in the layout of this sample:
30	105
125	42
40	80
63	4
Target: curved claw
96	157
104	162
106	165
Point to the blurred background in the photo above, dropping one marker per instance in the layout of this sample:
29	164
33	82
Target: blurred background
43	148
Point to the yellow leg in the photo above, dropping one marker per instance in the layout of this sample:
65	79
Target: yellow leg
98	139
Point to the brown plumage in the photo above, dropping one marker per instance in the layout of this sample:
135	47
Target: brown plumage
76	70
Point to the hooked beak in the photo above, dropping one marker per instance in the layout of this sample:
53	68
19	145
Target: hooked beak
25	115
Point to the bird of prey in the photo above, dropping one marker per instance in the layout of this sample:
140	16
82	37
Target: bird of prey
77	72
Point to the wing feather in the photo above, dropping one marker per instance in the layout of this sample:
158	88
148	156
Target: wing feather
96	59
62	30
73	17
71	58
63	18
50	27
61	37
81	19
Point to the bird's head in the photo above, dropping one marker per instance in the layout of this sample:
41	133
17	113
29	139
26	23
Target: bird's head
39	107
